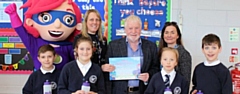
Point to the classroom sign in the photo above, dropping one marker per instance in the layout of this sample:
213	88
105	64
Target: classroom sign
153	13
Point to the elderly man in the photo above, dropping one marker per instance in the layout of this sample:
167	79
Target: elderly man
133	46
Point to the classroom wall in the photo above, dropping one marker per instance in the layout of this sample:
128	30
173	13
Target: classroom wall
200	17
12	84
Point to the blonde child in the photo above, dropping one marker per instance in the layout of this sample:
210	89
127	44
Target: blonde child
168	77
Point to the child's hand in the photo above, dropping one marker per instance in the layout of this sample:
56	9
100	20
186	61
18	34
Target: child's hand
108	68
92	92
194	91
79	92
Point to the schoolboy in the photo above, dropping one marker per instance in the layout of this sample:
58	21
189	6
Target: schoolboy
211	76
35	82
168	77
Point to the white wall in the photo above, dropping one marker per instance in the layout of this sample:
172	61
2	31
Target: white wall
200	17
12	84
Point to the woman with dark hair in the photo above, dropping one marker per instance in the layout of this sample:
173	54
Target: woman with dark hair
171	37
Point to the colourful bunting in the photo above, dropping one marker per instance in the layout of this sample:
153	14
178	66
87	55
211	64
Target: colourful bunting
10	67
15	66
26	58
22	62
4	67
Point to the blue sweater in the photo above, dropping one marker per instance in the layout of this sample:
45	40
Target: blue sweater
34	84
157	86
212	79
71	79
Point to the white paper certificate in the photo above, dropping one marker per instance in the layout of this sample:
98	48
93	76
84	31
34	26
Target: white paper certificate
126	68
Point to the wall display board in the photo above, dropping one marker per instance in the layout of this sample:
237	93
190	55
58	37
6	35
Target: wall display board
14	58
153	13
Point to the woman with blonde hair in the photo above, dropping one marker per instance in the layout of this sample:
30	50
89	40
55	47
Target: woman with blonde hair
92	27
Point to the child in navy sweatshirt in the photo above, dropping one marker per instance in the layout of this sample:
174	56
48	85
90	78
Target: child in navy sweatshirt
34	84
168	77
76	72
211	76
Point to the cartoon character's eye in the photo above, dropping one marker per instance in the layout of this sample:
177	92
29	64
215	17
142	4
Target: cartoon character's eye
68	20
45	17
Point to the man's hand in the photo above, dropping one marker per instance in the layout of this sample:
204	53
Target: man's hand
144	77
108	68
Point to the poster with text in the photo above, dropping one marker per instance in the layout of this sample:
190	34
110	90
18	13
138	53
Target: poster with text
153	13
14	57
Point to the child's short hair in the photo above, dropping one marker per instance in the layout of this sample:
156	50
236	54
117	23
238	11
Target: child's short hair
170	49
211	38
45	48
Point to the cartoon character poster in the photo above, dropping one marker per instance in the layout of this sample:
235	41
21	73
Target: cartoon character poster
14	57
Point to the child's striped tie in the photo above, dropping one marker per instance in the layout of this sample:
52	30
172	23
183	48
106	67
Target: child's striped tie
167	81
